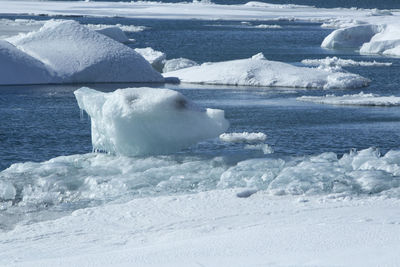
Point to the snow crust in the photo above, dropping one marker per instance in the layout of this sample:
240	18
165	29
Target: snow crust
154	57
140	121
77	54
18	67
360	99
335	61
257	71
243	137
177	64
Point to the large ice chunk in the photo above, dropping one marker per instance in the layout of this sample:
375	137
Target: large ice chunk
154	57
387	42
137	121
257	71
16	67
78	54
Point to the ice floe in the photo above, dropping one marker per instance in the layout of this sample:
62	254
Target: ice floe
177	64
258	71
114	33
77	54
335	61
360	99
140	121
386	41
268	26
154	57
17	67
243	137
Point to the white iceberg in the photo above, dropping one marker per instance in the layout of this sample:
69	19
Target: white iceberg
386	42
16	67
114	33
351	37
154	57
178	63
360	99
243	137
268	26
137	121
257	71
78	54
335	61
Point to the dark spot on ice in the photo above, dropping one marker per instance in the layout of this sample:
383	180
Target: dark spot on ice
131	99
181	103
246	193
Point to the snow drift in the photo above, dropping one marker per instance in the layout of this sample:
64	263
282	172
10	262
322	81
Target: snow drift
137	121
360	99
78	54
18	67
257	71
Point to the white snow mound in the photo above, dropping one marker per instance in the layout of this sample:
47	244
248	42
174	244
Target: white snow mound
137	121
16	67
360	99
257	71
78	54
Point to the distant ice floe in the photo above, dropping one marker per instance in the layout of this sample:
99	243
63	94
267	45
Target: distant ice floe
258	71
177	64
142	121
268	5
267	26
360	99
369	39
243	137
76	54
154	57
335	61
125	28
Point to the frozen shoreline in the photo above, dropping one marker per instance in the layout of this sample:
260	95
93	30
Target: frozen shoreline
214	228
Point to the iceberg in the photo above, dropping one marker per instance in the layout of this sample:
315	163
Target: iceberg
386	42
140	121
77	54
243	137
258	71
360	99
114	33
17	67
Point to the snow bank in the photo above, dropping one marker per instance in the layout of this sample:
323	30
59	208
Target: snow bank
360	99
154	57
178	63
351	37
257	71
16	67
137	121
335	61
243	137
78	54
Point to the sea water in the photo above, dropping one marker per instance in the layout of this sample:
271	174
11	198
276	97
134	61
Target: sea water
41	123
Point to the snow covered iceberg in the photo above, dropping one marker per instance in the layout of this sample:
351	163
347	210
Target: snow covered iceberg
16	67
257	71
369	39
77	54
139	121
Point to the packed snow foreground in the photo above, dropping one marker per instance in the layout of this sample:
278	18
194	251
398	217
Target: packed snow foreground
258	71
140	121
67	52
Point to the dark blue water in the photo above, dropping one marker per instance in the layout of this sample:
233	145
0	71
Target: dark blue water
42	122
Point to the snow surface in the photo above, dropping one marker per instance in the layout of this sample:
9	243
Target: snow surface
178	63
243	137
257	71
77	54
360	99
214	228
138	121
335	61
16	67
154	57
